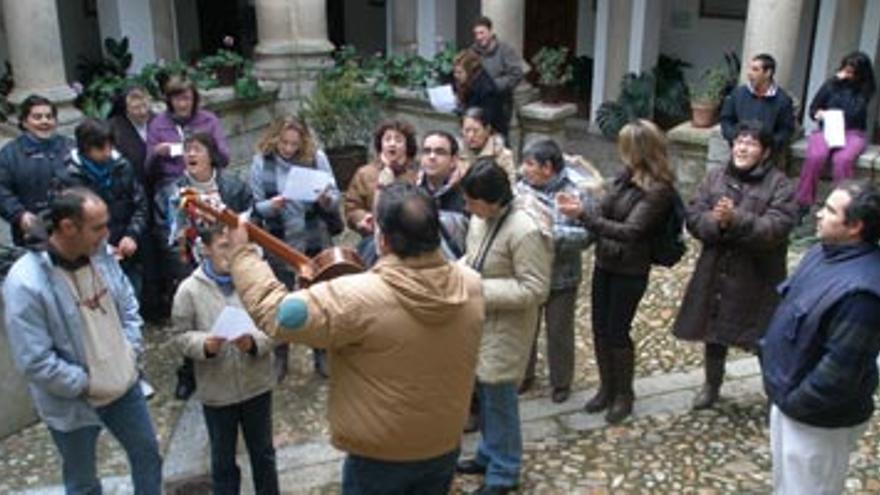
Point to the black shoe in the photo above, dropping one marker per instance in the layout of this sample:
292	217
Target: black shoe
526	385
470	466
495	490
560	394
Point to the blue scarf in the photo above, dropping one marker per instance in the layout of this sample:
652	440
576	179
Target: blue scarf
99	173
222	281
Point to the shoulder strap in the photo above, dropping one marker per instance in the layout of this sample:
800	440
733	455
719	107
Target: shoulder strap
270	182
488	241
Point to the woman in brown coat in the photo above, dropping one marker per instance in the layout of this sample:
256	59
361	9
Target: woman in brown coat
635	209
742	214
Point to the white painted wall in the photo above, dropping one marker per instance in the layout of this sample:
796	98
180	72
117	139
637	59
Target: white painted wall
699	41
118	18
4	47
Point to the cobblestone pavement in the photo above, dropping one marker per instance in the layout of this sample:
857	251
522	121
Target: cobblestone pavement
723	451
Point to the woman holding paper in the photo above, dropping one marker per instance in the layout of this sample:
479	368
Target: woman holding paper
286	151
166	132
233	367
841	109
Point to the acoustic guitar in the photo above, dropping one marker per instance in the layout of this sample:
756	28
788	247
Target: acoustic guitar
328	264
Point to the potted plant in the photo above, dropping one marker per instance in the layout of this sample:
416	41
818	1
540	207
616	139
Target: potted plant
706	96
343	114
554	71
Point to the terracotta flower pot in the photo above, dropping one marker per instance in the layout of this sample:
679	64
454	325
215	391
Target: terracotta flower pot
704	114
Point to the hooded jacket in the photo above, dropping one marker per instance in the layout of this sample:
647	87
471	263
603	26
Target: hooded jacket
231	376
402	340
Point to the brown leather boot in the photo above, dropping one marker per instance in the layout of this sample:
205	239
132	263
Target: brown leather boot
623	360
603	396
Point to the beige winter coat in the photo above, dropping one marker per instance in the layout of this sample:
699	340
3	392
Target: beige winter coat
230	376
402	341
516	281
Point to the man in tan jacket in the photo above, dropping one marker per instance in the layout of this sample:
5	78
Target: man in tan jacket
402	340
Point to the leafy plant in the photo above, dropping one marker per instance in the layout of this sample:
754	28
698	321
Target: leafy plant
671	94
552	66
384	72
341	109
636	101
710	87
116	61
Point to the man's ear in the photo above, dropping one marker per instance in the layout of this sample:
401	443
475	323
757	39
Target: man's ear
66	226
766	154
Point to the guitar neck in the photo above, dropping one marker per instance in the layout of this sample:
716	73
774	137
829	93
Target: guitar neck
292	257
300	262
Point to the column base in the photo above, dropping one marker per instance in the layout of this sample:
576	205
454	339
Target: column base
295	67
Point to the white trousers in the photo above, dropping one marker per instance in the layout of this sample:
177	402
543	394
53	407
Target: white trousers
808	460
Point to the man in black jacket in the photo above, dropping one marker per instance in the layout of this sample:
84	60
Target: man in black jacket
760	99
819	354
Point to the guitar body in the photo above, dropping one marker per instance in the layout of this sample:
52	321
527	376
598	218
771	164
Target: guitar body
335	262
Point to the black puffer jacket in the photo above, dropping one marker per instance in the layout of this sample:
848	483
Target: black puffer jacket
626	220
124	194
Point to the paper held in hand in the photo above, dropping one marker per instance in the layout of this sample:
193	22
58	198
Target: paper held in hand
232	323
306	184
442	98
834	128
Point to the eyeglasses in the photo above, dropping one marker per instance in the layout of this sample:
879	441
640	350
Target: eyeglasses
437	151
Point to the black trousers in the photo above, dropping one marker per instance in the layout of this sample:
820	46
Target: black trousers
615	299
254	416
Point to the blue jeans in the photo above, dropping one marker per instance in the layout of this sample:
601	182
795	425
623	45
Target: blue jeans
255	418
364	476
128	420
500	448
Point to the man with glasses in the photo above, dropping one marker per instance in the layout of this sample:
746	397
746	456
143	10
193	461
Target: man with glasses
439	174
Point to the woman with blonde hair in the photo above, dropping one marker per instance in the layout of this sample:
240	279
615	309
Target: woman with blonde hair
475	88
634	210
305	225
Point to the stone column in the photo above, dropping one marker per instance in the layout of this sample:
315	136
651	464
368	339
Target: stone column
34	39
293	46
611	49
773	27
435	25
507	20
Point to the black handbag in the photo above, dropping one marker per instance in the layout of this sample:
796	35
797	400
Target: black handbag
186	380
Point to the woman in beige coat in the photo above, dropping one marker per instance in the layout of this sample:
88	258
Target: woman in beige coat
510	243
482	141
234	378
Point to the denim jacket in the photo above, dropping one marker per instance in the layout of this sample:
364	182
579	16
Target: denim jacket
45	334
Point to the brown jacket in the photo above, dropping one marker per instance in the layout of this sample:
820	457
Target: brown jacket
732	293
627	219
402	340
361	190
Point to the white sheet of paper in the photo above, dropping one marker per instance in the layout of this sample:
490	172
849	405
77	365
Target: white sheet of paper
232	323
834	128
306	184
176	149
442	98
